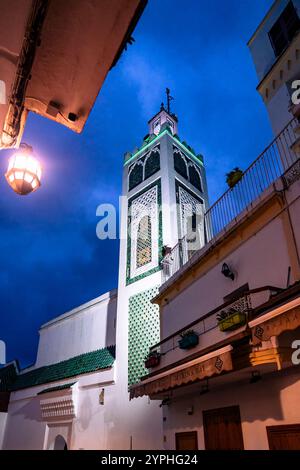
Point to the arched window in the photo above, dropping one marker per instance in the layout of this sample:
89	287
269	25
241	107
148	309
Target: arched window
135	176
144	242
180	165
152	164
194	178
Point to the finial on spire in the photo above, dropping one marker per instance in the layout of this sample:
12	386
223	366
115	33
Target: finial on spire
169	99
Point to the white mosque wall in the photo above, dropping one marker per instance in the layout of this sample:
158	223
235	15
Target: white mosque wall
96	416
86	328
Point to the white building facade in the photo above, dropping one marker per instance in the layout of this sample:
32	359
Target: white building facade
227	370
212	293
76	396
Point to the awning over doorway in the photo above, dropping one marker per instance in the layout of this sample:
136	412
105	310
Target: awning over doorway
284	318
209	365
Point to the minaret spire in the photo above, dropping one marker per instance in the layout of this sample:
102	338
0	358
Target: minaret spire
164	117
169	99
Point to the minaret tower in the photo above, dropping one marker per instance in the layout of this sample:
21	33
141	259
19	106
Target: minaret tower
164	189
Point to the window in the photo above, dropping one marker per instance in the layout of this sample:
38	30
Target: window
284	30
195	179
156	127
180	165
144	232
143	251
170	123
190	218
187	169
145	167
152	164
136	176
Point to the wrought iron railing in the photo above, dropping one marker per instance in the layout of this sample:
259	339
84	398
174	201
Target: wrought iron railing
245	305
272	163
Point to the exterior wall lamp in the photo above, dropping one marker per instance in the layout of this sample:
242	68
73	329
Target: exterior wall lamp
24	171
227	272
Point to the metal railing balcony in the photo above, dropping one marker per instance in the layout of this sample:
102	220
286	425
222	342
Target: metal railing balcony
227	317
272	163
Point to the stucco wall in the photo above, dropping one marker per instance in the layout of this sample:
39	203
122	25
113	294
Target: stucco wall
278	109
260	46
272	401
258	262
90	429
86	328
24	430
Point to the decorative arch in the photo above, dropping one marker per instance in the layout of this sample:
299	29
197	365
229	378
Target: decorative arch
195	178
136	175
60	443
180	164
144	242
152	163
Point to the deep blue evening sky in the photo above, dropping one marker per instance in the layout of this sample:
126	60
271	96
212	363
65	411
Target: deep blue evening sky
51	260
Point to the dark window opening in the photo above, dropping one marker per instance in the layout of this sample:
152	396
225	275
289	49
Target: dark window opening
136	176
284	30
152	164
180	165
195	179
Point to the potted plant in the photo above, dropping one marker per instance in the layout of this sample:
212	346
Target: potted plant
231	319
233	177
152	359
166	250
189	339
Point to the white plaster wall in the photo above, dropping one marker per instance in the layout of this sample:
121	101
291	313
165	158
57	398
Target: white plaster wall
24	429
130	430
84	329
261	260
260	46
90	428
272	401
140	421
278	109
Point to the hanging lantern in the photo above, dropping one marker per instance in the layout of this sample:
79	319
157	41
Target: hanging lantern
24	171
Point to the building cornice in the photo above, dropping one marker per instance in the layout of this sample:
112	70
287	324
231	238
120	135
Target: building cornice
146	147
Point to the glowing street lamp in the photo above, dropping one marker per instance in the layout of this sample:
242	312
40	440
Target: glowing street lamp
24	171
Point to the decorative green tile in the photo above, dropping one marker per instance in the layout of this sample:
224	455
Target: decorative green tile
143	332
83	364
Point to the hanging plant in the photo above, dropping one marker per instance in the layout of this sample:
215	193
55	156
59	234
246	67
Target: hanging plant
152	359
189	339
231	319
233	177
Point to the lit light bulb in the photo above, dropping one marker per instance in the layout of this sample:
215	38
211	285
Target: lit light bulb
24	171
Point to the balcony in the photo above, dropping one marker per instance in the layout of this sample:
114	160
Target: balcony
279	159
219	326
261	337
